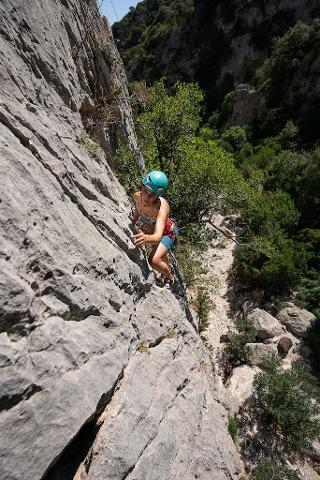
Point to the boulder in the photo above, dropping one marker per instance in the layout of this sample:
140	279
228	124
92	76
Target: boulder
240	386
265	324
297	320
315	452
284	345
225	338
259	352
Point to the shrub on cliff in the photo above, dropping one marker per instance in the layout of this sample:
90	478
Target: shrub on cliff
267	258
204	179
286	403
237	349
203	304
272	470
234	139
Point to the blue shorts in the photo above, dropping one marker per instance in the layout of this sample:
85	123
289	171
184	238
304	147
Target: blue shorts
167	242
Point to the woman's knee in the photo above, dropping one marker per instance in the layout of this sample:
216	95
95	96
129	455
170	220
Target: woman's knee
155	260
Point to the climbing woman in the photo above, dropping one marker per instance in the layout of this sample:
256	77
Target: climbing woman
157	229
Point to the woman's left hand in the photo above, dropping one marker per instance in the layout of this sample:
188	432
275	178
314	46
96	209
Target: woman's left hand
140	238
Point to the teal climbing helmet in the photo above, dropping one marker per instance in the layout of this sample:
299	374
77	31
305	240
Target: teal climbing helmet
156	181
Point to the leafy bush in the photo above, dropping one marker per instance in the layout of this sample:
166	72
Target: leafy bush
226	107
268	260
236	349
233	428
269	214
234	139
314	342
308	190
288	135
205	179
204	305
286	402
127	169
272	470
189	262
307	245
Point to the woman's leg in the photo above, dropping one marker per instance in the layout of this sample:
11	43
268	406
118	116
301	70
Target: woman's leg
159	260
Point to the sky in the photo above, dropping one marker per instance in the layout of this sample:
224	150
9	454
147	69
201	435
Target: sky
116	9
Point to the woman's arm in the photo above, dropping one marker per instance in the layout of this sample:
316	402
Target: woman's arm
136	212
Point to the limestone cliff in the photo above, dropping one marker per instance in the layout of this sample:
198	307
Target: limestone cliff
102	374
218	44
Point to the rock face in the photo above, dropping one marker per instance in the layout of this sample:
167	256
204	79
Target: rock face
284	345
265	324
297	320
240	386
86	341
259	352
246	103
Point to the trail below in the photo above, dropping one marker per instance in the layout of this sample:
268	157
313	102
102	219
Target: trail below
217	261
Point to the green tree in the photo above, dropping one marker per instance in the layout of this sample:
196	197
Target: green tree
168	121
269	214
286	402
234	138
272	470
288	79
205	179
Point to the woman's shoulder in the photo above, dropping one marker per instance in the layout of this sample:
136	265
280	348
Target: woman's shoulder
164	203
137	195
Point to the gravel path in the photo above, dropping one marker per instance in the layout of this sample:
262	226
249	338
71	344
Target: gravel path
217	260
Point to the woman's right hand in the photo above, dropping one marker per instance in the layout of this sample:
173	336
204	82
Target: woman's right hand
139	238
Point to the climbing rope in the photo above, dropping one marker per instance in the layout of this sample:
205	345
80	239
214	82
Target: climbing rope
232	236
182	289
114	9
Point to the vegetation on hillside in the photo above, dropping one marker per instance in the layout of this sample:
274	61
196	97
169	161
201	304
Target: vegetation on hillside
141	32
202	174
269	469
192	41
289	79
286	403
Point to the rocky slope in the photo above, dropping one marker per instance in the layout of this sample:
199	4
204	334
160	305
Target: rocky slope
102	374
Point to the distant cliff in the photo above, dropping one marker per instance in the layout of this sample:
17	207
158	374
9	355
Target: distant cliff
215	43
103	376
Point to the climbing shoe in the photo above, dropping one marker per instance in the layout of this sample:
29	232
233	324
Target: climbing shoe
169	282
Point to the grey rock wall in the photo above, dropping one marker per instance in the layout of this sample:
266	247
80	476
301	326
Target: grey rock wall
246	103
102	374
255	20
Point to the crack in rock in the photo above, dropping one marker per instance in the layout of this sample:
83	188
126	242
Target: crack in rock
9	401
180	389
78	449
